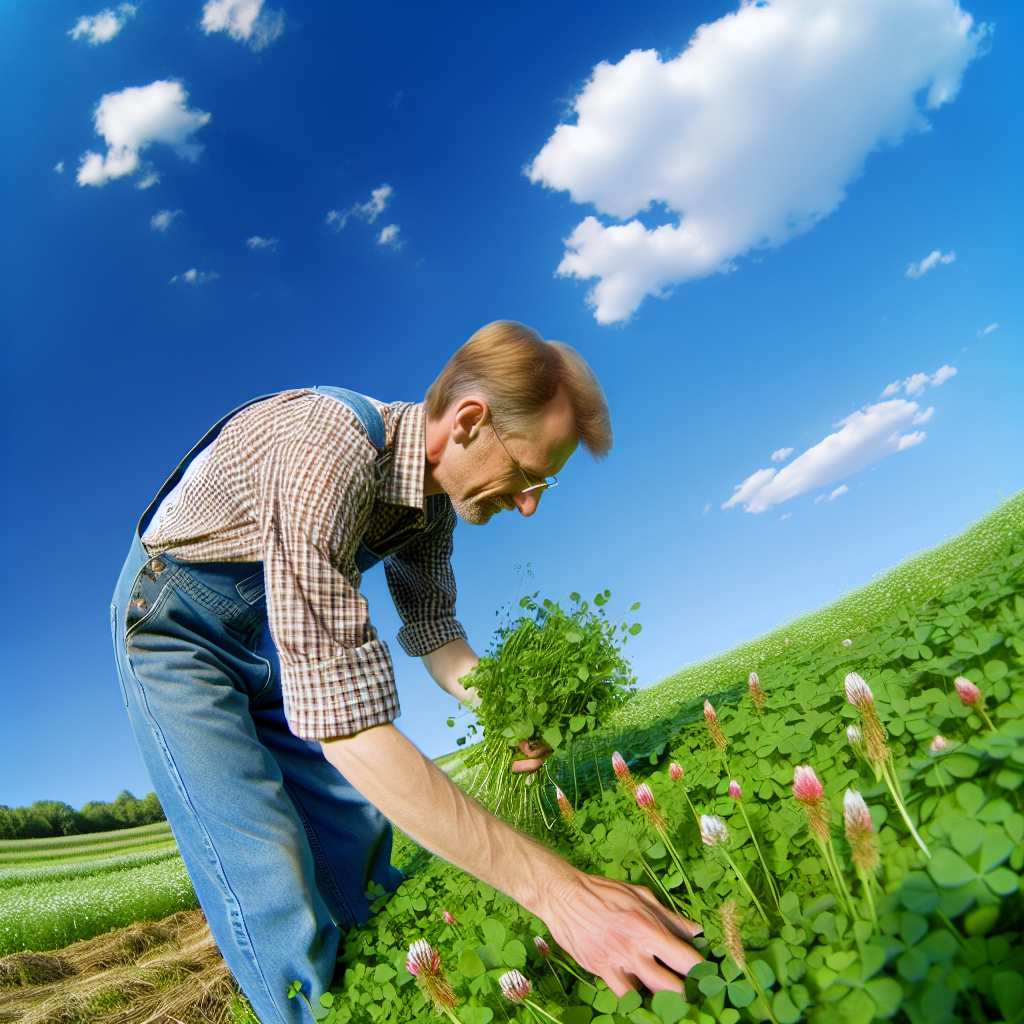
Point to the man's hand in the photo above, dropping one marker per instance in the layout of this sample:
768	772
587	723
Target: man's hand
618	931
536	753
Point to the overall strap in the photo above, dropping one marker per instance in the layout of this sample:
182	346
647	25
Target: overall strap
373	424
204	442
365	411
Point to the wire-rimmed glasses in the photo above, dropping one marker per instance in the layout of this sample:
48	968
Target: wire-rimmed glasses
546	484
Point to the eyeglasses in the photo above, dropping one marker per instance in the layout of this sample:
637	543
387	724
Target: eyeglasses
546	484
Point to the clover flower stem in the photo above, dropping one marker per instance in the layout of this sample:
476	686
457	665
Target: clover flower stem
670	846
952	929
566	967
696	816
984	715
903	812
554	973
767	874
536	1009
658	882
743	882
597	768
829	853
869	896
757	988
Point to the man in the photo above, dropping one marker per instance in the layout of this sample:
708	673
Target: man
262	699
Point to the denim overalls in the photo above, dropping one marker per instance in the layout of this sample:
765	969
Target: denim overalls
279	847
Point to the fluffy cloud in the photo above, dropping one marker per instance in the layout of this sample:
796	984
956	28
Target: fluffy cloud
389	236
368	211
194	276
933	259
781	454
58	168
256	243
864	437
749	137
244	21
164	219
915	384
981	334
135	118
102	27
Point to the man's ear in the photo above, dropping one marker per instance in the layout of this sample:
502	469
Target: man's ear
471	414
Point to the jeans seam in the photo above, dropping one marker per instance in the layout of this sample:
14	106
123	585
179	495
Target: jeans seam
318	855
183	792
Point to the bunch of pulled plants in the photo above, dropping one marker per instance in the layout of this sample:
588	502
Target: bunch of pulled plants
552	675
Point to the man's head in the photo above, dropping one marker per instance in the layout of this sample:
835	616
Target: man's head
505	413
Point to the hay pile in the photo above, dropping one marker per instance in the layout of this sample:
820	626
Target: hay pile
148	973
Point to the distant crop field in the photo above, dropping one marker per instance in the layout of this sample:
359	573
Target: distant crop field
56	891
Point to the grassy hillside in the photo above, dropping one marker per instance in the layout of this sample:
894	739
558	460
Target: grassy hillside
946	943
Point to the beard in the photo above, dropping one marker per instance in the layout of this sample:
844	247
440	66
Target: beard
479	511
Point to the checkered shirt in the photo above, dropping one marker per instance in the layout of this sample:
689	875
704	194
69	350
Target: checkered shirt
294	482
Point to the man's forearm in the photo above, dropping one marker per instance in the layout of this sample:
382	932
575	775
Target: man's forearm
450	663
424	803
619	932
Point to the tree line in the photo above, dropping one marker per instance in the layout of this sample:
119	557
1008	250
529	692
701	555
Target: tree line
47	818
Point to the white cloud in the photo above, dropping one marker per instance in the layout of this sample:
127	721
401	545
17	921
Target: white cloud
389	236
194	276
255	243
102	27
149	179
245	21
135	118
707	508
59	169
750	136
164	219
864	437
981	334
785	516
781	454
933	259
368	211
915	384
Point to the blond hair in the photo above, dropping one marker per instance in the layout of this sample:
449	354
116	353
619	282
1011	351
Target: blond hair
518	372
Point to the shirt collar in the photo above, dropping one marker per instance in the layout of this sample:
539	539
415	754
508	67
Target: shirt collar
403	484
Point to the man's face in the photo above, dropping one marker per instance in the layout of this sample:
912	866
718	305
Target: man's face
484	474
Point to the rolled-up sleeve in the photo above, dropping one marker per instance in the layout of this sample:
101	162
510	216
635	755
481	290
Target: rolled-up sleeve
422	585
336	675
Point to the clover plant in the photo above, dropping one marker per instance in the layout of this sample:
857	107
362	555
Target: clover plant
942	940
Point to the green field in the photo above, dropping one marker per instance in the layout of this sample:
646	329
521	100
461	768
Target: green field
56	891
911	629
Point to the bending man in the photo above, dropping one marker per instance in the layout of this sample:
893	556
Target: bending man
263	701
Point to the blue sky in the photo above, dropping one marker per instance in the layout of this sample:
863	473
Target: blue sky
791	196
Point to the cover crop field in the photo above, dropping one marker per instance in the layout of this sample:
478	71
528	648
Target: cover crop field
56	891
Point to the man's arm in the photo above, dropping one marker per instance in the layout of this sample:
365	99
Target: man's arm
612	929
450	663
